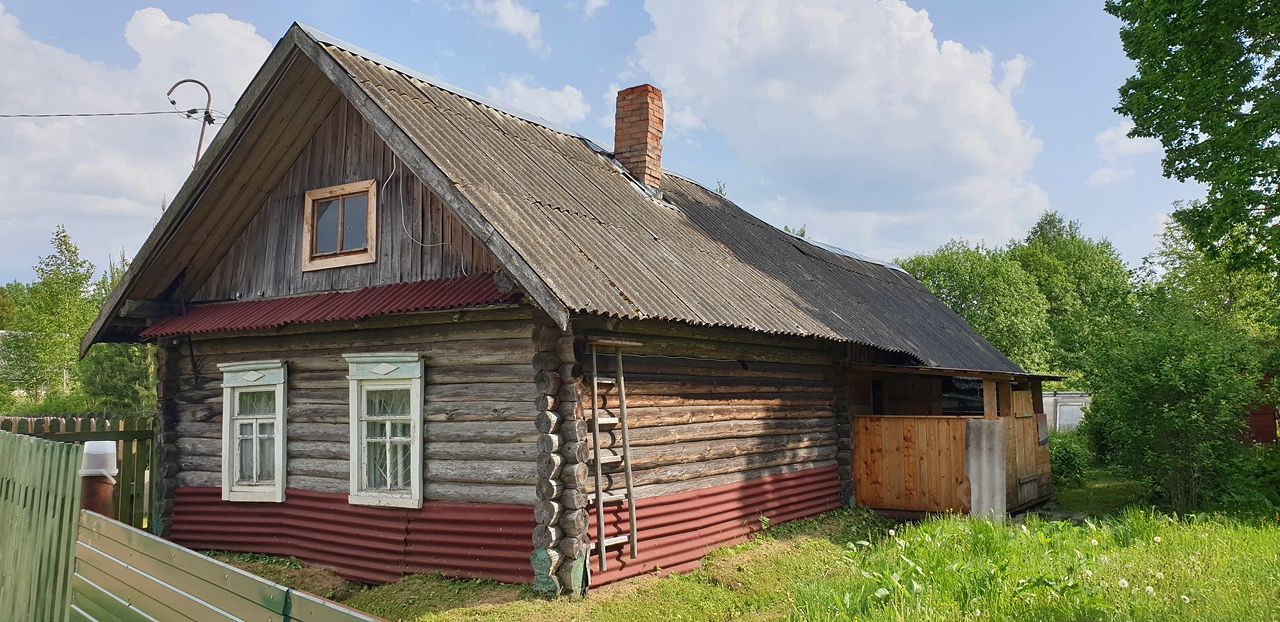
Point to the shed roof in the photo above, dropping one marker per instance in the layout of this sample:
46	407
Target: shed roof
581	236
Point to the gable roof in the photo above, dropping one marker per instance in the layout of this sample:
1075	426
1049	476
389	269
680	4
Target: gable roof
579	235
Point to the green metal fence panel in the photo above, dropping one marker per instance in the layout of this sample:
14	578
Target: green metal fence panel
39	512
124	573
132	496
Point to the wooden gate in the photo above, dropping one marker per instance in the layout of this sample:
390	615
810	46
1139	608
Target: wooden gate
1027	477
135	453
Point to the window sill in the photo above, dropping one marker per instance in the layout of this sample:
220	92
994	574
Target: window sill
265	495
386	501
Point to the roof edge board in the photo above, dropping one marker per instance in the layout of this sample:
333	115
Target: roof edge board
426	170
208	164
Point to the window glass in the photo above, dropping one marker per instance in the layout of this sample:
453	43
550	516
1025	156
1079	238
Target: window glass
961	396
326	227
256	404
353	222
388	439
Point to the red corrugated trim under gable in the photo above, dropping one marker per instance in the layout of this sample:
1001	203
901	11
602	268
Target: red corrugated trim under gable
373	545
676	531
438	294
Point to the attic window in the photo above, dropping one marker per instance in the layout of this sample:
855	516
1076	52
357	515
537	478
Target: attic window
339	225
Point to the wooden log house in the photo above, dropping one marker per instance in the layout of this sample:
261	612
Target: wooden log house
402	329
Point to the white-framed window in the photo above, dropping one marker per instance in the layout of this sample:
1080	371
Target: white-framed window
386	429
253	431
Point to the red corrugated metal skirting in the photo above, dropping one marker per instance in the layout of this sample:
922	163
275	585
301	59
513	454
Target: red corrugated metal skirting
676	531
373	545
438	294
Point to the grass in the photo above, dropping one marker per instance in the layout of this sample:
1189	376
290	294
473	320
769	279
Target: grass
1104	492
851	565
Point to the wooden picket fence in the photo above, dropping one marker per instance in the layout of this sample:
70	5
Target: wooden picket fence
135	453
125	574
39	509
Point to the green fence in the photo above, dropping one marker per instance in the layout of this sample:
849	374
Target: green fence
123	573
39	509
135	453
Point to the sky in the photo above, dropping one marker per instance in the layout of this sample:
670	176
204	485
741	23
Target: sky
887	128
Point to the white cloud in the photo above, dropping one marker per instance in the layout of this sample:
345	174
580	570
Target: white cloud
565	106
106	177
1114	148
513	17
591	6
853	115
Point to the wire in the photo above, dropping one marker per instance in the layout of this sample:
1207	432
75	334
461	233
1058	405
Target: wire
190	114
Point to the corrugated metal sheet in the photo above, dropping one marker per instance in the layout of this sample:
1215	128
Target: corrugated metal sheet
605	246
676	531
436	294
373	545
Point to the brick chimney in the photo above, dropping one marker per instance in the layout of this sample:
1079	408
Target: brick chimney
637	133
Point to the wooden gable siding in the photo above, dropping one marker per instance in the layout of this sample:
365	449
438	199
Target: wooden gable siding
418	237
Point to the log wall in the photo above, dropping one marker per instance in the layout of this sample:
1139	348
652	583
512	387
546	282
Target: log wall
418	238
709	410
479	397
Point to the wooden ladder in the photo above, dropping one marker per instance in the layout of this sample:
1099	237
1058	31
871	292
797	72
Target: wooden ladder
598	458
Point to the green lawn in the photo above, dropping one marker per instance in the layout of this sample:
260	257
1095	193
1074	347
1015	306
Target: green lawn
849	565
1104	492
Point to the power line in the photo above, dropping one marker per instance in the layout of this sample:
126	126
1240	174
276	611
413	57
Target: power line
190	114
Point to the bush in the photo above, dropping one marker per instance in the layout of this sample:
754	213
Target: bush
1070	458
1170	393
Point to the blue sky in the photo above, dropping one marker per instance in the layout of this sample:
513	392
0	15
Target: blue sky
886	128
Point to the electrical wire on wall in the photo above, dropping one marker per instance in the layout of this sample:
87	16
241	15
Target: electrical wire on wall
404	226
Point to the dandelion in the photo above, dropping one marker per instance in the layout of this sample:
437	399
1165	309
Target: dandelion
1150	590
1094	542
1186	600
1123	583
893	532
1159	576
1157	539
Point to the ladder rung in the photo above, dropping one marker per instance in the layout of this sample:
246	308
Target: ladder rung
610	497
606	380
611	542
609	458
613	343
608	420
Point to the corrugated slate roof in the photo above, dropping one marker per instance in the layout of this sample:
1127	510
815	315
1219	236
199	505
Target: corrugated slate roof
468	291
604	245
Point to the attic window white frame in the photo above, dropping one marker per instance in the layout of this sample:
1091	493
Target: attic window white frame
392	370
368	254
253	376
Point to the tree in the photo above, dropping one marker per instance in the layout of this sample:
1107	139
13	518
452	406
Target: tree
1207	86
42	343
1246	296
9	295
119	379
1084	281
801	232
993	294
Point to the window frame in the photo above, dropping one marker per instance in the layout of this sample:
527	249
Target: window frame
369	254
253	376
382	371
